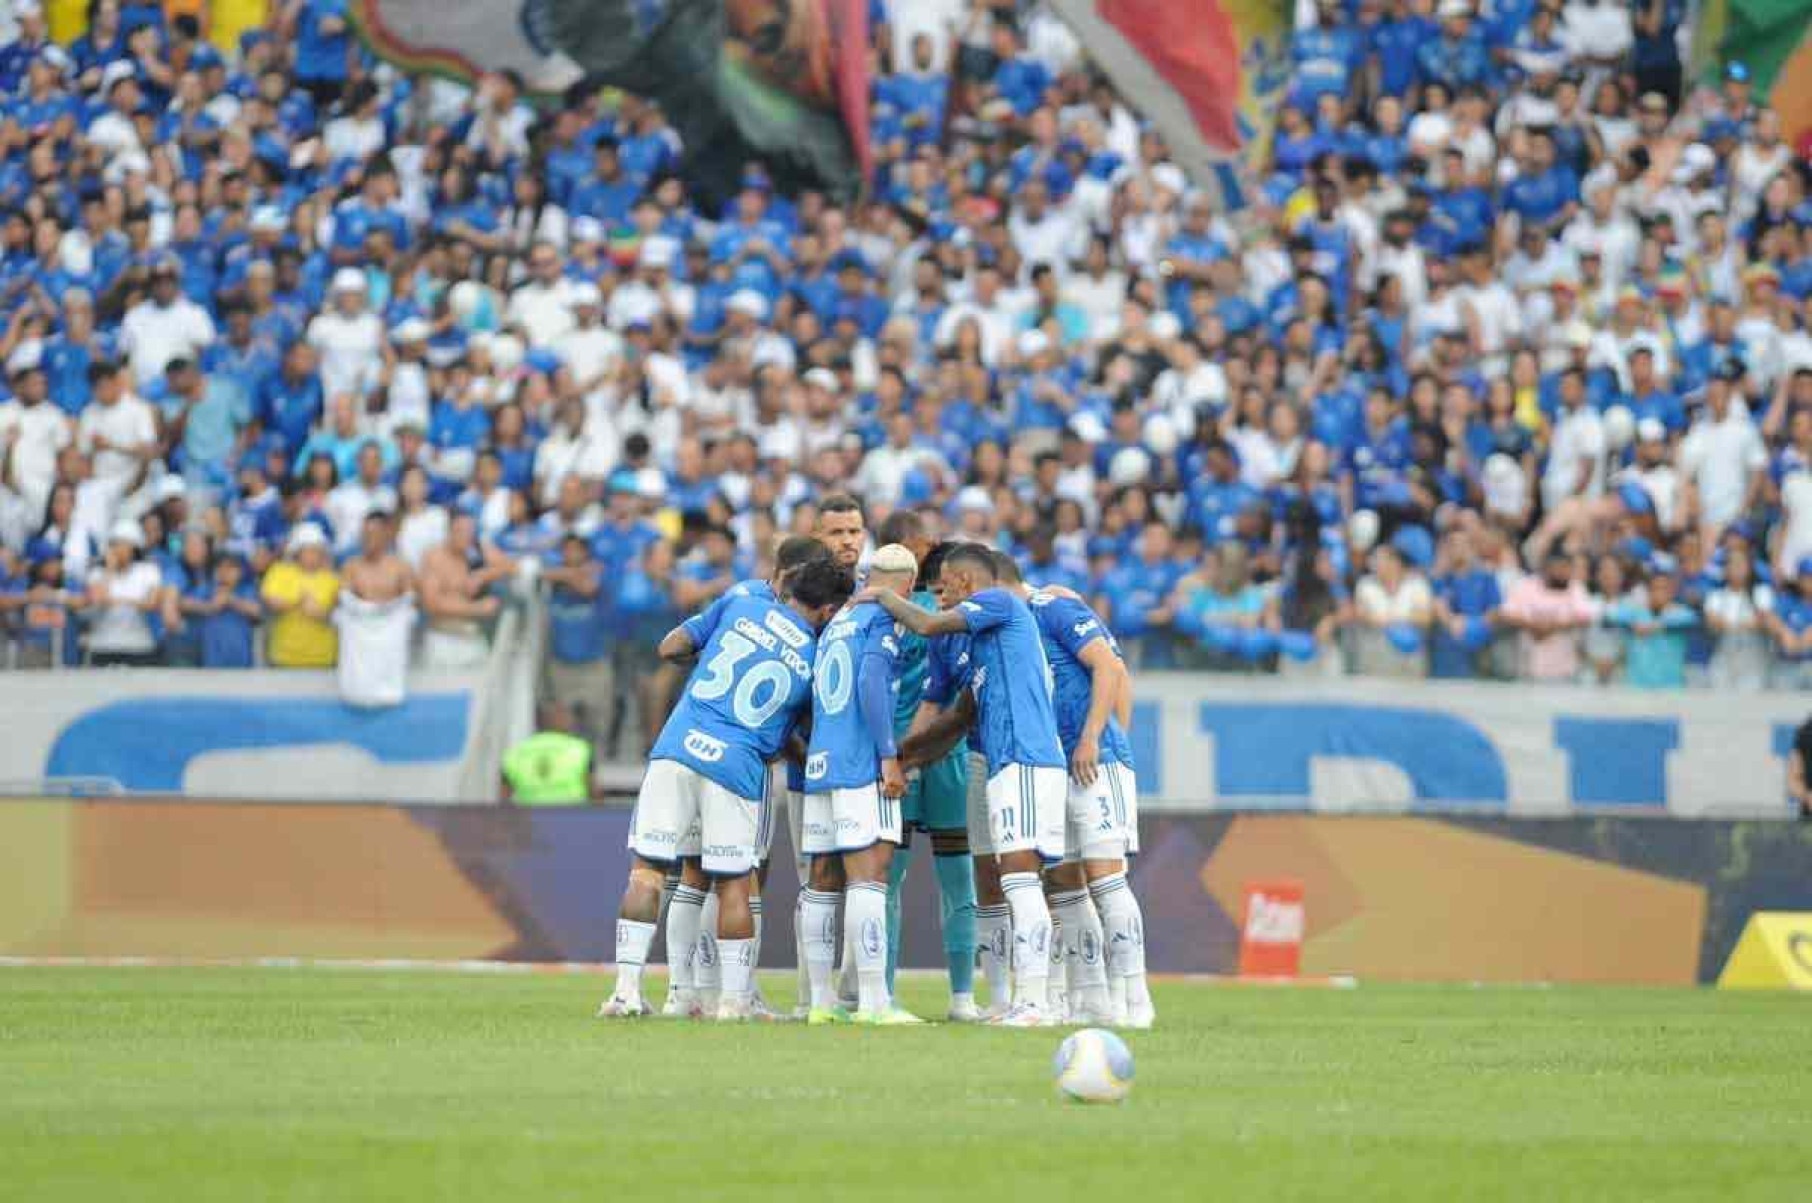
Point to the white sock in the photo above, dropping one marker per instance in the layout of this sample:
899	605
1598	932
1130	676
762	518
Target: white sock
633	939
755	952
707	976
865	918
1031	937
1081	949
683	918
994	941
1123	928
1057	990
805	981
848	990
818	934
738	960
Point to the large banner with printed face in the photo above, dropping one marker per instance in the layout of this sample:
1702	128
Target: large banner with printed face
784	82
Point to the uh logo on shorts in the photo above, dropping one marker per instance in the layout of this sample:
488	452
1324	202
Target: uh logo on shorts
707	748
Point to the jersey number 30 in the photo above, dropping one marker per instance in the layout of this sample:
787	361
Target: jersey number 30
720	675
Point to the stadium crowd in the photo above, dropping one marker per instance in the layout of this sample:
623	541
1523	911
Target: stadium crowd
1502	371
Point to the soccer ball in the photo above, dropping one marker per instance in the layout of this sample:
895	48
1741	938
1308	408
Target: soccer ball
1094	1066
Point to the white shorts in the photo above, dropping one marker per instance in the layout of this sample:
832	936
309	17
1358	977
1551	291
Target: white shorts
980	842
682	813
1026	808
849	820
1102	820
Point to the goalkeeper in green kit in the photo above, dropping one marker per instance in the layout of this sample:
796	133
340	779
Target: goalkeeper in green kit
936	798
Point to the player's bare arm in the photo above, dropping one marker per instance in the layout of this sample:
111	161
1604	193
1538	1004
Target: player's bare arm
926	623
1106	687
935	740
677	647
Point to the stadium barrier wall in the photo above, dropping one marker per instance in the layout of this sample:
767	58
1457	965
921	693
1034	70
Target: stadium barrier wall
1245	743
1203	742
275	734
1454	898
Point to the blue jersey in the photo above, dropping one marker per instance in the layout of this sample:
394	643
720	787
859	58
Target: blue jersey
857	677
754	676
1016	723
1067	627
700	625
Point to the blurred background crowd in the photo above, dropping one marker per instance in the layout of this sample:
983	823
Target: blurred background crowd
1503	371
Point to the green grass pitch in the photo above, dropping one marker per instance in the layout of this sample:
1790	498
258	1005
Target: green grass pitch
230	1084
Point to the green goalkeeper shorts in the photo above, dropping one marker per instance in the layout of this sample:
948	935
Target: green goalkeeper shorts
937	798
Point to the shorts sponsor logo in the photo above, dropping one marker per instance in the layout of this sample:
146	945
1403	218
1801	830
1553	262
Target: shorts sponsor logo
707	748
817	765
726	851
848	825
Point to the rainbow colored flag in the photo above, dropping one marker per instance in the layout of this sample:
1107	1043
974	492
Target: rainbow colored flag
1209	74
1770	38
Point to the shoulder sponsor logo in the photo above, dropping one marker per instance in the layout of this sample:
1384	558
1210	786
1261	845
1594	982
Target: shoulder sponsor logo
707	748
970	606
788	630
891	644
1085	626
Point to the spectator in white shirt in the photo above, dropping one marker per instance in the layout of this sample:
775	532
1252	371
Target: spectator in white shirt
350	501
115	131
348	337
543	306
1723	458
119	429
1576	448
32	431
166	326
123	593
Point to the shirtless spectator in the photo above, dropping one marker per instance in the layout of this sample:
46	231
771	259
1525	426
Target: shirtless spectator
454	580
375	617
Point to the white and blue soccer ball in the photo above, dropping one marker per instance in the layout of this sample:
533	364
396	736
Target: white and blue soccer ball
1094	1066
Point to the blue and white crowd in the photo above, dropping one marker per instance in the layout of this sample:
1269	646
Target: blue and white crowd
1503	370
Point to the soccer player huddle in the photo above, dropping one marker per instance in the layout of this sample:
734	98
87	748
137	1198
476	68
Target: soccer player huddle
940	694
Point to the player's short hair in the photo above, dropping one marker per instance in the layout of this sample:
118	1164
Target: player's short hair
819	583
840	503
901	526
932	566
973	556
1006	569
795	551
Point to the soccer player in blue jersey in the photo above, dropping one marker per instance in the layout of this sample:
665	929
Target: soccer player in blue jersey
854	783
936	798
695	970
704	798
1016	727
1098	917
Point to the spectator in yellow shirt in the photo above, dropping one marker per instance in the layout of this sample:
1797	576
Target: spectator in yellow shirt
300	592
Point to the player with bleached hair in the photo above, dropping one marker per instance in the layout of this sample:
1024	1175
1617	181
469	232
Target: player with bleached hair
854	783
1008	700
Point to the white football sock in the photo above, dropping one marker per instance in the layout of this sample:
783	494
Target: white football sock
1081	941
1031	937
818	935
737	959
865	918
707	976
994	941
1057	993
755	910
633	939
683	918
1123	927
847	989
805	981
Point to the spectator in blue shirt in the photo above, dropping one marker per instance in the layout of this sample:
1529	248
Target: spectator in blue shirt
1466	600
578	667
323	40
